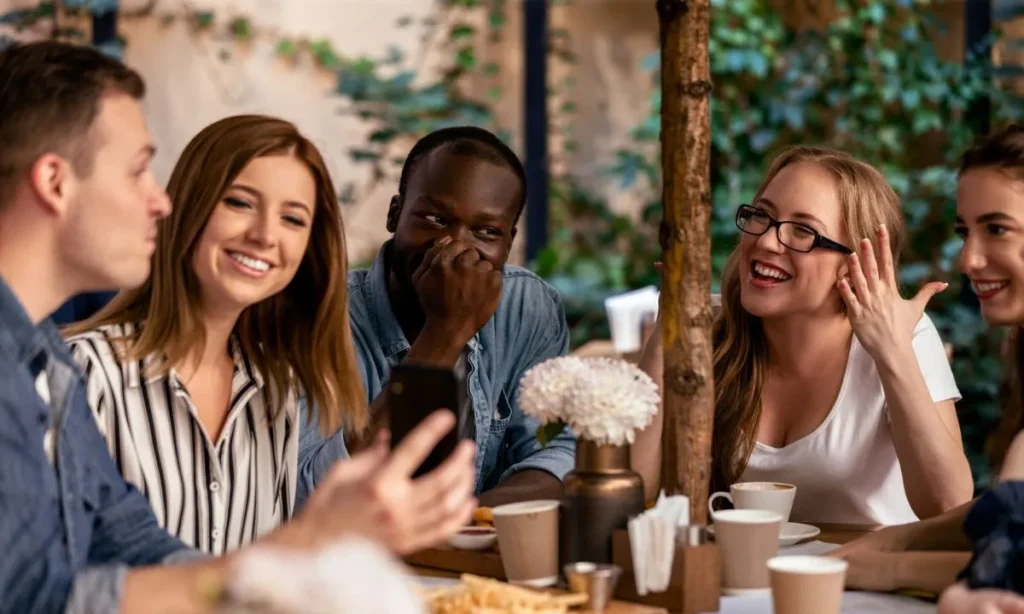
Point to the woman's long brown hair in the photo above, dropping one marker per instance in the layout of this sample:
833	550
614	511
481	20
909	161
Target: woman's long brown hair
299	337
741	351
1004	151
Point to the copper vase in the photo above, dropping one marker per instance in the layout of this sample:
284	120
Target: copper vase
601	494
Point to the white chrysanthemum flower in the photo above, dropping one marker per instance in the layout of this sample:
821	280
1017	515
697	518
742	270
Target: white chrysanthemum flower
603	400
543	389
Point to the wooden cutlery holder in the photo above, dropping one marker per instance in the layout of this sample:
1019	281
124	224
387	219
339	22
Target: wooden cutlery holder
695	584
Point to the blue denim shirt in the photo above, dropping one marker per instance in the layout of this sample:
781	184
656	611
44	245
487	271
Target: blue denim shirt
995	525
527	328
69	530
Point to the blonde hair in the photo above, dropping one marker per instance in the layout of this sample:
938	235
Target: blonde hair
741	351
299	336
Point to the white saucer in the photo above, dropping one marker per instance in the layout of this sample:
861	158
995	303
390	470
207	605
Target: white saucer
794	533
474	538
790	533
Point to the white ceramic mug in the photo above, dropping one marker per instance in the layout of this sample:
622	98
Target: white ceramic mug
771	496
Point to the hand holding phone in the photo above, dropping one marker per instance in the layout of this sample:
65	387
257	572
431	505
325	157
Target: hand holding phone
416	391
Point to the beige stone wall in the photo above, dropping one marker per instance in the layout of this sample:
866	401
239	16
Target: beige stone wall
191	86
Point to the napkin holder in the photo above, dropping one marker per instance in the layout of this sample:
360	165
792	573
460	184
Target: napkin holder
695	584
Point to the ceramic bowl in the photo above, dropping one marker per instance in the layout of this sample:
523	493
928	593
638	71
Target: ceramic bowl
474	538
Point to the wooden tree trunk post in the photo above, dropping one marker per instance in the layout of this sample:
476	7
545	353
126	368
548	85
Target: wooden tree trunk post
689	399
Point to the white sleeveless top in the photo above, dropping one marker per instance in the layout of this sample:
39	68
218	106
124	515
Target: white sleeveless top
846	471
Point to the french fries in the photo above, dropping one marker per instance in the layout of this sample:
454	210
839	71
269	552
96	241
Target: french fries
476	595
483	516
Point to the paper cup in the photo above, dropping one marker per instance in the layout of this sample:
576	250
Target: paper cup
807	584
528	541
746	540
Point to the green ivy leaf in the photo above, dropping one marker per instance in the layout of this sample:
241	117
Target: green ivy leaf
324	54
286	48
466	58
461	31
241	28
363	155
546	262
546	433
384	135
203	19
911	98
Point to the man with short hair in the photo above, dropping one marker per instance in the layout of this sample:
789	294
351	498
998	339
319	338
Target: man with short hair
440	293
78	212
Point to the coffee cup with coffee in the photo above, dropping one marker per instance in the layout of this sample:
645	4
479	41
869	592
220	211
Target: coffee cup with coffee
771	496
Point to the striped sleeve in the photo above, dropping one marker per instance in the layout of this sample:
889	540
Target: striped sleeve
98	389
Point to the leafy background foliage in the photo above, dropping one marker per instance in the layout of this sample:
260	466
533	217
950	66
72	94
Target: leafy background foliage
870	80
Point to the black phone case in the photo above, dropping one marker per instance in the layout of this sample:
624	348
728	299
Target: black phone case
416	391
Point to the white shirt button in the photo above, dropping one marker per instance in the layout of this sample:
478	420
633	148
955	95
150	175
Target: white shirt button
215	486
215	533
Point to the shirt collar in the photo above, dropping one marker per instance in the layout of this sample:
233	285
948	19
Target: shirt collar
134	369
243	364
388	331
20	337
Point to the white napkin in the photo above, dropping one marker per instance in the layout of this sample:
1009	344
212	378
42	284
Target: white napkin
625	314
652	538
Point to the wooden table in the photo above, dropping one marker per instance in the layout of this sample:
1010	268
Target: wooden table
446	562
842	533
451	563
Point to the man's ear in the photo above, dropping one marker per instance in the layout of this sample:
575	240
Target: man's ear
51	181
394	212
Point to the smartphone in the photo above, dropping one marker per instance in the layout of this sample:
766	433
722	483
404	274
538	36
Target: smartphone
415	392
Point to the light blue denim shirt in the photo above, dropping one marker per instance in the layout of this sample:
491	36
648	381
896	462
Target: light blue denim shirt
70	530
527	328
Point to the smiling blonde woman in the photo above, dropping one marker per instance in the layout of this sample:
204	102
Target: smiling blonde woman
825	377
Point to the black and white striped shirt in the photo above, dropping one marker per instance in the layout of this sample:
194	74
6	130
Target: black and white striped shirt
215	496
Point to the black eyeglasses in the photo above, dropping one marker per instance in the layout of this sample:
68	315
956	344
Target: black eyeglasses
794	235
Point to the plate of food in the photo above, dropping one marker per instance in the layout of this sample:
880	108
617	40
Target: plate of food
475	594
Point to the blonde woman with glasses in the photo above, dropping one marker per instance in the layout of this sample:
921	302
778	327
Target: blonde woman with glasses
825	377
